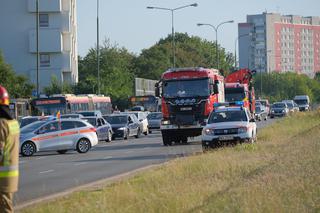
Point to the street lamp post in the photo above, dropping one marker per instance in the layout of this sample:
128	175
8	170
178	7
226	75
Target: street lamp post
37	46
98	48
235	47
172	23
216	31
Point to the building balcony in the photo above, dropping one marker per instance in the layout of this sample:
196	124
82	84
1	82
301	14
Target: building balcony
50	41
45	6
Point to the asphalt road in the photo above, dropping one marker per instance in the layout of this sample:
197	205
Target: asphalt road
47	173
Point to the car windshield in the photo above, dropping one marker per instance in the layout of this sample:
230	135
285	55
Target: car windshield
92	121
290	105
26	121
186	88
258	109
87	114
234	94
301	102
31	127
228	116
70	116
264	103
154	116
117	119
278	105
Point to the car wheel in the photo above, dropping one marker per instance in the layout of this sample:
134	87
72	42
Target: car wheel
83	145
109	139
184	140
28	149
62	151
138	133
126	134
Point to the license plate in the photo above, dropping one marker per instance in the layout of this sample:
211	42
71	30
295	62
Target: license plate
226	138
186	108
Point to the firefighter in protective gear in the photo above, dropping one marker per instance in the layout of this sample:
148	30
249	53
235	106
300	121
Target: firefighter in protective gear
9	154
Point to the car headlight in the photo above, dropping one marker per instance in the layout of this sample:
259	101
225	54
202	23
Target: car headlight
283	110
166	122
122	128
242	129
272	111
208	131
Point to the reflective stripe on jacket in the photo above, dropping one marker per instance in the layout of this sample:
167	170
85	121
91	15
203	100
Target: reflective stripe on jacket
9	161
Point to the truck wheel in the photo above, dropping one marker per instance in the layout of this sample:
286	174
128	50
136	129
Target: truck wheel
184	140
166	139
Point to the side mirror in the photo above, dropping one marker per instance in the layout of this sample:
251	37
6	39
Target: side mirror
157	90
216	88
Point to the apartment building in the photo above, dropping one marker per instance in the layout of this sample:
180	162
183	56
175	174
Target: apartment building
57	39
283	43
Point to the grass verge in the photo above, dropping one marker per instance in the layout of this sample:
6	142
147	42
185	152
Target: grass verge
280	173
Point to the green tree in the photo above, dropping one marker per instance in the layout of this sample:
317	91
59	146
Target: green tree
191	51
17	85
116	76
57	88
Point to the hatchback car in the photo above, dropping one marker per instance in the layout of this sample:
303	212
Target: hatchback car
228	124
124	125
261	113
142	118
154	120
58	135
104	129
279	109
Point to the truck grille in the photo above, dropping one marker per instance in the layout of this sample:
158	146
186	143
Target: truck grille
226	131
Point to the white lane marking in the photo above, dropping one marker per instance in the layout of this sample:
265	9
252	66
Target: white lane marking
40	158
107	157
48	171
78	164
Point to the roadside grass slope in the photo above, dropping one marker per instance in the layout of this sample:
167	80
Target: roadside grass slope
280	173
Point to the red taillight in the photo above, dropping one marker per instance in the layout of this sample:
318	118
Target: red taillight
93	129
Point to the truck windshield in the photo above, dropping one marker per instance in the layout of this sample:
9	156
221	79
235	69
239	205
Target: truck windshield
301	102
234	94
186	88
228	116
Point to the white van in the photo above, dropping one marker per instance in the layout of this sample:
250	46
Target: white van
303	102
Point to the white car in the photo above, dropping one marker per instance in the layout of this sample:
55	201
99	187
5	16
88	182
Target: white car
57	135
142	117
228	124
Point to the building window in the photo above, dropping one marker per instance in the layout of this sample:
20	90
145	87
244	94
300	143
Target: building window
44	60
44	20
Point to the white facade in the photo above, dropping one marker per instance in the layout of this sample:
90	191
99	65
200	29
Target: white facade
57	39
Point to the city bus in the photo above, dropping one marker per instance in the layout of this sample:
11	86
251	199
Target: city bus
148	102
70	103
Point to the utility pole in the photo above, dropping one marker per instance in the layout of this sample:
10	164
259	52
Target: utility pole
37	46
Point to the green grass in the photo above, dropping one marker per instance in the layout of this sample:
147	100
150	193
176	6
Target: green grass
280	173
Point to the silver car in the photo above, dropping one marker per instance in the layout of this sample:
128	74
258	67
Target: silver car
58	135
104	129
154	120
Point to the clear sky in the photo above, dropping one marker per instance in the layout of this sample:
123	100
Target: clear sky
129	24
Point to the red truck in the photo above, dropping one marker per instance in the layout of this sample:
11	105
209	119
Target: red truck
187	98
239	87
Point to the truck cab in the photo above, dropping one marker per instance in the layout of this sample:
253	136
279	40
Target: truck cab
188	96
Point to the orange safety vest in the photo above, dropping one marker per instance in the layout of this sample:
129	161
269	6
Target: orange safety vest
9	161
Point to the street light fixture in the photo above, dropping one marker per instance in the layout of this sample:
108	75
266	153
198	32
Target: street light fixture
235	47
172	34
216	30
